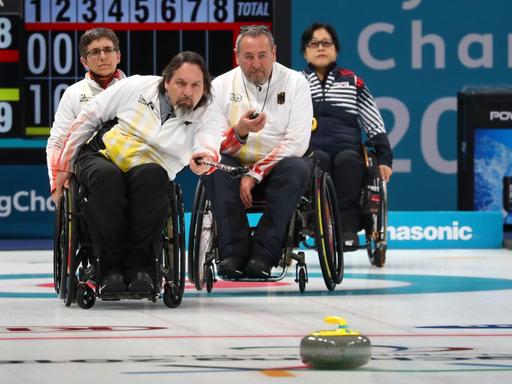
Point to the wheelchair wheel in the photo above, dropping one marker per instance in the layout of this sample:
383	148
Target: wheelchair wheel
209	278
302	278
172	296
202	235
65	247
59	242
85	297
328	231
174	251
376	245
191	239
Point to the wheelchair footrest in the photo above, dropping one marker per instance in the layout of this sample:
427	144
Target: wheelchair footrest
116	296
353	248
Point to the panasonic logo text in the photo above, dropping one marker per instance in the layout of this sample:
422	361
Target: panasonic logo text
416	232
25	201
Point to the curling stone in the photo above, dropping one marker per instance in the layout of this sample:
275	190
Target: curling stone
341	348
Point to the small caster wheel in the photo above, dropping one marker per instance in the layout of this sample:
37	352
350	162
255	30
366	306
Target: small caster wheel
172	297
380	255
302	279
70	290
209	279
377	254
85	297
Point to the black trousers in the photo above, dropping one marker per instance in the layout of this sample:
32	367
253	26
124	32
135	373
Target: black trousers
125	212
281	190
347	170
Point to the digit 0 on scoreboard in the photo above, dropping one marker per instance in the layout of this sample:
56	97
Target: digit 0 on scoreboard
151	32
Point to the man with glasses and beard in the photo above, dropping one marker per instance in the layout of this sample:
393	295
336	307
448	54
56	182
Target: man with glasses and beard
266	112
126	171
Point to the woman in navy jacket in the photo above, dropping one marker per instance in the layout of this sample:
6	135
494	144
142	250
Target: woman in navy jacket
342	107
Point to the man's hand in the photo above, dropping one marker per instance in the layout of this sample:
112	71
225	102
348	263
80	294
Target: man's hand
385	172
197	168
247	124
61	182
247	183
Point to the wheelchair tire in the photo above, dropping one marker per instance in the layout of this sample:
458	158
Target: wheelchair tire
209	279
202	235
174	251
181	242
58	245
376	244
302	279
172	296
71	290
195	204
68	246
377	255
329	239
85	297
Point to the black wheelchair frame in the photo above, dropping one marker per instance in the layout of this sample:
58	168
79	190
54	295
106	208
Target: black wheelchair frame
77	271
316	216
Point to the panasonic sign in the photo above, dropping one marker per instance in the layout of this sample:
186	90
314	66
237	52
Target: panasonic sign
25	201
454	232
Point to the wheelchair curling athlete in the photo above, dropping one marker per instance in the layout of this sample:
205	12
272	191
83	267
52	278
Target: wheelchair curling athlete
265	110
343	106
100	55
126	173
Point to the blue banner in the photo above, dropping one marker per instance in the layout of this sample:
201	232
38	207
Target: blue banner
26	211
415	55
26	207
444	230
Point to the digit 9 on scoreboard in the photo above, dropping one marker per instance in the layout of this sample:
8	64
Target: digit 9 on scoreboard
9	75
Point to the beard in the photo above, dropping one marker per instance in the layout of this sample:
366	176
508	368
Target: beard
257	77
183	107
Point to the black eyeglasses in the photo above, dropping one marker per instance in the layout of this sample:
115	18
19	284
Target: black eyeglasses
324	43
258	28
96	52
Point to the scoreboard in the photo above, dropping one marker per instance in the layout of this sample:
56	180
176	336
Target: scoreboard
39	55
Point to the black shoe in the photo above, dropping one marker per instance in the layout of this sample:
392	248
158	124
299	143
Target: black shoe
230	267
141	283
113	283
350	240
258	268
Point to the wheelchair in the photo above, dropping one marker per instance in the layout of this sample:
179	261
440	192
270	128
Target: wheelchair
77	271
316	216
374	210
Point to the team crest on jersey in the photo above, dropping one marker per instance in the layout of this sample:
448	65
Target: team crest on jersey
84	98
142	100
236	97
342	84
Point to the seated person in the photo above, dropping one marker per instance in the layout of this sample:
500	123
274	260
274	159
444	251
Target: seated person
343	106
126	172
99	54
265	109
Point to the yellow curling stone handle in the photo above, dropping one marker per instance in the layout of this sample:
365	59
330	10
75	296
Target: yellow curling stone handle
342	329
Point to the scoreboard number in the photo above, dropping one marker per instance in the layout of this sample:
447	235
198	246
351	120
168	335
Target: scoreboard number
5	117
5	32
129	11
39	46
